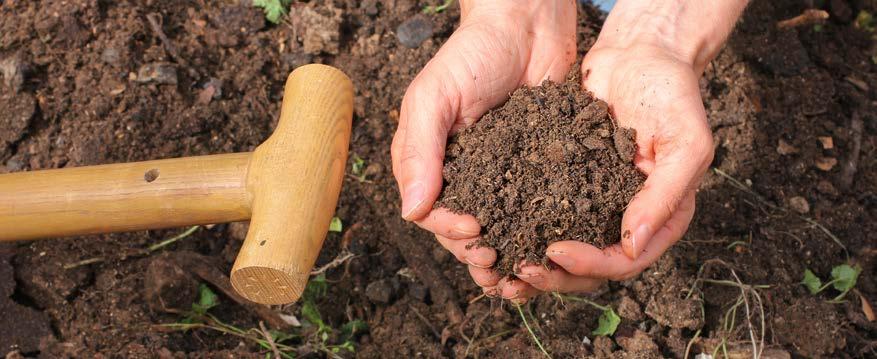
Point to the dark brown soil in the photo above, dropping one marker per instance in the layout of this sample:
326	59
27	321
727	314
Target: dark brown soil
74	97
548	165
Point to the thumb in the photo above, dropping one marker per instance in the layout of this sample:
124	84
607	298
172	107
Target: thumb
665	203
427	114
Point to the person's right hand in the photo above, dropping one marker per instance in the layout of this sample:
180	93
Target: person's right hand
500	46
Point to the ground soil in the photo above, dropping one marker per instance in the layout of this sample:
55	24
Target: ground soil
548	165
88	82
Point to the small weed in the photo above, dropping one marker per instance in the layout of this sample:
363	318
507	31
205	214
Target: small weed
274	9
336	225
437	9
321	340
843	278
608	321
865	21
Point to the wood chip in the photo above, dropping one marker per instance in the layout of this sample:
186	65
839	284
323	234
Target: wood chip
859	84
826	163
866	307
784	148
827	142
808	17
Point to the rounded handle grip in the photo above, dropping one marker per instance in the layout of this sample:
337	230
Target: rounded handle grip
295	179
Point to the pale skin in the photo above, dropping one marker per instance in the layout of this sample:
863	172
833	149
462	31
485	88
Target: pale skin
645	64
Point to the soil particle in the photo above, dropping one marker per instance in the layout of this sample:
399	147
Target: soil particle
24	327
318	27
167	287
382	291
12	69
630	309
639	345
541	169
799	204
18	111
414	31
796	325
158	72
668	309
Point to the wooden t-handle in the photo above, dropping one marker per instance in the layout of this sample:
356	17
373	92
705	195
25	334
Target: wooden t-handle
295	178
288	187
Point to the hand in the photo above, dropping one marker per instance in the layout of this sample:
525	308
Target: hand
500	45
654	91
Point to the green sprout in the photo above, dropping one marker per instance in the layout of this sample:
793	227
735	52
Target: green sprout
437	9
357	169
335	225
274	9
843	279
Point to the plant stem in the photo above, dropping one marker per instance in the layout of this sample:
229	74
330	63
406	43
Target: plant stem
173	239
535	338
584	300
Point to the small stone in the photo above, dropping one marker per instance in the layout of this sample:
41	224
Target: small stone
826	187
593	143
799	204
414	31
111	56
827	142
826	163
158	72
14	165
418	291
784	148
380	291
13	71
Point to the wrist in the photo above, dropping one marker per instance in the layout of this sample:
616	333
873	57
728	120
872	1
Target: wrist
693	32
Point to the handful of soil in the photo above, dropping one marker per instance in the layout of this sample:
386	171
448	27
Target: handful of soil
549	165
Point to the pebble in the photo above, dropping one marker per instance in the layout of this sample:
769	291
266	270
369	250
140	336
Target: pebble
14	165
158	72
799	204
111	56
380	291
12	70
784	148
414	31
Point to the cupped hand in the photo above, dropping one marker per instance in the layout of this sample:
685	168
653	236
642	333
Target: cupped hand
500	45
655	91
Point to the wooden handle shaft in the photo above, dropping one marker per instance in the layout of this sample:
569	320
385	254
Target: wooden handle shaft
295	179
124	197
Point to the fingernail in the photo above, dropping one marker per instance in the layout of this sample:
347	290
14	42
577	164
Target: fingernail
640	239
561	258
466	229
412	199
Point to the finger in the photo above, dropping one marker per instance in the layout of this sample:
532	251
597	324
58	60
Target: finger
450	225
466	251
425	119
511	288
557	280
484	277
681	160
612	263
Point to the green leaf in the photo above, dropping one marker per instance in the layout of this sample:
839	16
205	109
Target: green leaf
865	21
844	277
316	288
358	164
335	225
608	323
274	9
812	282
350	329
206	299
310	312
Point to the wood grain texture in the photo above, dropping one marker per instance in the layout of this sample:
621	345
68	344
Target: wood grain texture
295	179
124	197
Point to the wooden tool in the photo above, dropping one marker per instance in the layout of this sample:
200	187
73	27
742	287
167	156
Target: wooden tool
288	188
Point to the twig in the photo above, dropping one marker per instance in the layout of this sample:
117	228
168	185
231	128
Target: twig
339	260
84	262
808	17
168	45
848	172
532	334
426	322
269	339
